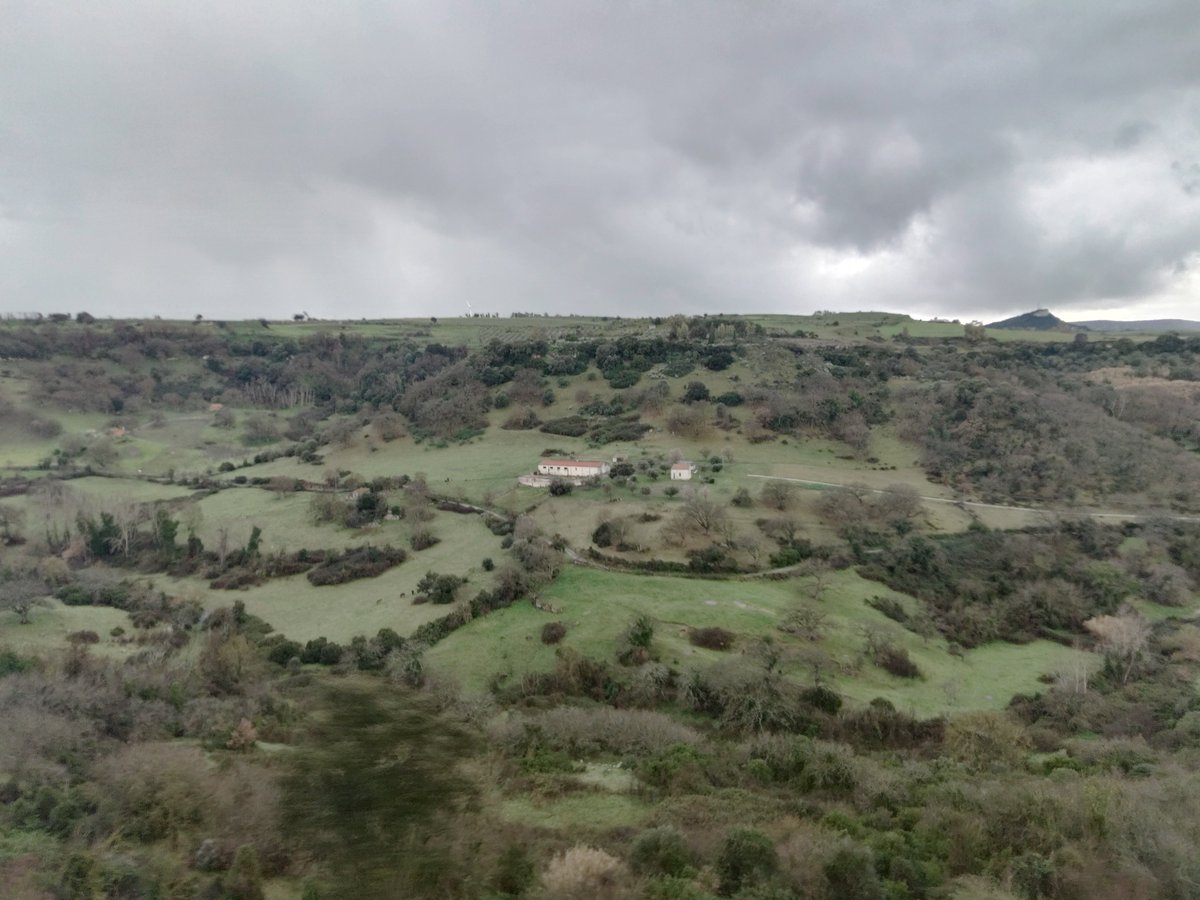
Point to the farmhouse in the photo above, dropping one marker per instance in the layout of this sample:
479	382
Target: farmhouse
682	471
573	468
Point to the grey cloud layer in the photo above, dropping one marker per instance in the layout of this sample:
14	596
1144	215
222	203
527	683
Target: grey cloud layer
391	159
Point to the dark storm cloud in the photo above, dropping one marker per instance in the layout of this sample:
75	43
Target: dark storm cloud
390	159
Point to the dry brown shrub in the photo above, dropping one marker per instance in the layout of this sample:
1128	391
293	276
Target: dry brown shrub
33	743
803	855
585	873
986	737
153	791
243	737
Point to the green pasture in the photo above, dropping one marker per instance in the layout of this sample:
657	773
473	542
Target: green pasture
597	606
297	609
20	449
185	444
91	495
830	324
25	451
102	490
472	469
1156	612
285	519
294	607
50	624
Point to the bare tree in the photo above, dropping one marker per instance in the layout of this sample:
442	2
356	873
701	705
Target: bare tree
897	501
820	575
675	530
726	530
753	547
128	516
21	594
690	421
784	530
777	494
805	620
846	505
876	639
852	429
703	512
222	545
1123	637
817	660
103	453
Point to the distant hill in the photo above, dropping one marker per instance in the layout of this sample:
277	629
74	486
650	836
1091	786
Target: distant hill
1143	325
1038	320
1044	320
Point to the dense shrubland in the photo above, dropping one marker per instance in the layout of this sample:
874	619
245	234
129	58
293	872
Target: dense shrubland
199	754
982	586
1034	422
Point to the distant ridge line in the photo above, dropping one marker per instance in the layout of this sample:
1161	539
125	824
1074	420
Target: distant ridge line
1044	320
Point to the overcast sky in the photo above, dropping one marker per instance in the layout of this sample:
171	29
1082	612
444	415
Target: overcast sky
244	159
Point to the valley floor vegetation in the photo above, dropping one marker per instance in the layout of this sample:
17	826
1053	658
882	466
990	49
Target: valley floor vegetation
278	621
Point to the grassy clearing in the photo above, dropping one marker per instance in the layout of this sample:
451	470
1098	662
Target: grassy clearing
296	608
285	520
187	445
22	450
87	495
49	626
473	469
597	606
592	810
287	524
1156	612
985	678
102	490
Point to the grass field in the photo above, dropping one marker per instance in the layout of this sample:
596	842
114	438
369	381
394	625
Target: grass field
473	469
597	606
296	608
102	490
49	626
285	520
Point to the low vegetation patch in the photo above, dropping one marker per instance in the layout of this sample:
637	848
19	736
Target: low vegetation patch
712	638
356	562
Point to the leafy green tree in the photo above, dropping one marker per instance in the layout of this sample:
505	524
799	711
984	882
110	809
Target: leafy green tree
661	851
165	529
77	878
375	769
747	857
245	875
